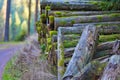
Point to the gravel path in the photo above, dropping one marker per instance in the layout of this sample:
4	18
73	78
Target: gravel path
6	54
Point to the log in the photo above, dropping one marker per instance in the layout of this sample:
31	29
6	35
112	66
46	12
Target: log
113	29
106	45
112	70
83	51
101	23
91	71
60	55
80	13
103	49
68	21
70	6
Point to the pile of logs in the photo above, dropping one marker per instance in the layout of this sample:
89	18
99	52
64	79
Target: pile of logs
89	60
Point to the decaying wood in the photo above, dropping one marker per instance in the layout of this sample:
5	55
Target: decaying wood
69	6
67	21
60	55
83	51
82	13
91	71
106	45
101	23
112	71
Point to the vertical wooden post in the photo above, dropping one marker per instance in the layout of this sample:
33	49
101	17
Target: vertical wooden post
60	55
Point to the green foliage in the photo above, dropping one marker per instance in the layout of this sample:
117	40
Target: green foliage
43	47
21	36
11	73
108	4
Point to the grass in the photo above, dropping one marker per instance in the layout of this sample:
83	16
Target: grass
11	72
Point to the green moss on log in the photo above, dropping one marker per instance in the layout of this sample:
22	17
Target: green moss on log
68	44
105	38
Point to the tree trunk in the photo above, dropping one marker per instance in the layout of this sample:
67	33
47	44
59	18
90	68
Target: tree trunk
29	17
69	6
113	69
36	13
83	52
69	21
6	35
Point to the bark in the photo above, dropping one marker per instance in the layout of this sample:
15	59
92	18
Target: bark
6	35
106	45
36	13
104	49
60	55
102	23
112	29
112	70
90	71
83	51
82	13
69	6
29	17
67	21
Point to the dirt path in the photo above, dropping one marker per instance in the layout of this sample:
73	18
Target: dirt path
6	52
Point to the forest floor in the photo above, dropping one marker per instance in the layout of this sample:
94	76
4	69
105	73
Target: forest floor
7	50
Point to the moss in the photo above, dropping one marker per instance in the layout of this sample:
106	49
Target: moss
43	18
68	44
63	23
53	33
115	15
51	18
72	22
104	38
47	8
99	17
58	13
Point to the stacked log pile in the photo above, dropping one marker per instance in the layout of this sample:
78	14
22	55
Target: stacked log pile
88	57
94	54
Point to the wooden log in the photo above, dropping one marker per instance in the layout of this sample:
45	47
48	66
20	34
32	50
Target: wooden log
106	45
68	21
91	71
80	13
112	70
101	23
70	6
113	29
102	49
83	51
60	55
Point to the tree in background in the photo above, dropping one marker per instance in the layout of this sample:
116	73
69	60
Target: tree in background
29	17
36	12
6	35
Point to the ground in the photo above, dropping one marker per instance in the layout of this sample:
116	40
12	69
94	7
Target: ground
6	52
